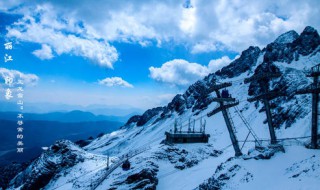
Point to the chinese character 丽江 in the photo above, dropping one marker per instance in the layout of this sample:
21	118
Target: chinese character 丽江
8	81
20	115
20	129
20	143
20	122
7	58
8	95
19	150
8	45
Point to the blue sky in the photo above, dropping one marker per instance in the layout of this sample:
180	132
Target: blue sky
134	54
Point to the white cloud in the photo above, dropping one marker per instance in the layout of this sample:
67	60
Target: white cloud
188	20
217	64
44	53
27	79
178	72
239	24
115	81
61	36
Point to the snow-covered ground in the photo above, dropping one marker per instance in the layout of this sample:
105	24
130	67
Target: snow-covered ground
297	168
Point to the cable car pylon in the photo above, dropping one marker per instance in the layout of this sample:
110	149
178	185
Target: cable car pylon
226	102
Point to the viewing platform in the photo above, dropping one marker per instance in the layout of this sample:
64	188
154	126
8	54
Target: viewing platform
187	137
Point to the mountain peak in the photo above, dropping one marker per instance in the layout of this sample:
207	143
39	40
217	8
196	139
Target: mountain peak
309	29
246	60
61	155
287	37
308	41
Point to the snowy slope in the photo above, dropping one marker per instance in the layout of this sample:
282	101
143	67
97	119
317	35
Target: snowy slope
186	166
287	170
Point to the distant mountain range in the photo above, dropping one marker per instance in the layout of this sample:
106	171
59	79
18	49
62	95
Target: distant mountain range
45	107
44	129
67	117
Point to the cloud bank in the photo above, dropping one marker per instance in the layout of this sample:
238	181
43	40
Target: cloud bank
61	36
203	26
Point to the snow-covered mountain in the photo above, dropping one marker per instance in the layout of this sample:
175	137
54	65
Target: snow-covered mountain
212	165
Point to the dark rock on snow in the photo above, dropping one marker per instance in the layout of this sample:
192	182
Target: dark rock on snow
244	63
60	156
